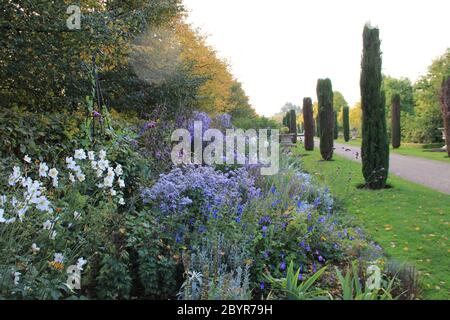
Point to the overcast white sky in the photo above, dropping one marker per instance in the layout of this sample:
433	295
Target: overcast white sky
278	49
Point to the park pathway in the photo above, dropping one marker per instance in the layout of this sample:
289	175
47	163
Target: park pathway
430	173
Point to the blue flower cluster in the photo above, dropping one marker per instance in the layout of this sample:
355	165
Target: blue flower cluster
211	189
201	117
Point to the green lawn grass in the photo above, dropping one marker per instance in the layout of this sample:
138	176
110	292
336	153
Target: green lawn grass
409	221
408	149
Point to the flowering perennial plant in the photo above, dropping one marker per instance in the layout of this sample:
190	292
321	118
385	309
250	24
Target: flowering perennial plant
209	188
45	212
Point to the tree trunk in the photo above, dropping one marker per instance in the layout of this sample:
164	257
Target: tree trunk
445	104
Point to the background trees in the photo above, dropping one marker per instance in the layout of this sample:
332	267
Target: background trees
326	117
395	121
424	125
45	61
147	59
374	148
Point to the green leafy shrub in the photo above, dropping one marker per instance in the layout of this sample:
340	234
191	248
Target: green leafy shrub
292	288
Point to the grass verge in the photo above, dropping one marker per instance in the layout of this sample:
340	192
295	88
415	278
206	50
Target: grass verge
409	221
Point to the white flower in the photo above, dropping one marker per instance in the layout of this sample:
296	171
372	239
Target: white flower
3	200
99	173
59	257
16	278
80	154
94	165
103	164
71	164
118	170
113	192
110	172
102	154
121	201
35	248
55	182
80	263
80	176
121	183
108	182
47	225
26	182
27	159
53	173
71	178
43	204
91	155
14	177
21	212
53	235
76	215
13	202
3	220
43	168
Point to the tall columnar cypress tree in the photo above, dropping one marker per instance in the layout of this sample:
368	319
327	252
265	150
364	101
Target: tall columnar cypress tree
445	104
308	120
336	126
293	124
346	123
375	145
288	120
317	126
395	121
326	117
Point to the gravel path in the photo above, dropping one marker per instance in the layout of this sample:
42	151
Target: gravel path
430	173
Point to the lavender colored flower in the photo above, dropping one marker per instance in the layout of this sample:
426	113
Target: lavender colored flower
200	117
96	114
283	266
172	192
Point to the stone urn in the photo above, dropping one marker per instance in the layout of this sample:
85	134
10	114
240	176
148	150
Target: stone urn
287	139
354	133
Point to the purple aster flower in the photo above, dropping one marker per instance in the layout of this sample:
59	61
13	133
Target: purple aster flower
317	202
283	266
262	286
